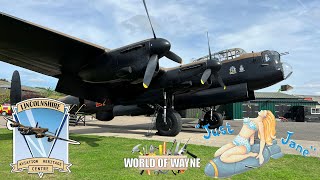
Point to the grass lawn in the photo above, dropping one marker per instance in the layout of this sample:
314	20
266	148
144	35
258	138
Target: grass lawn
102	158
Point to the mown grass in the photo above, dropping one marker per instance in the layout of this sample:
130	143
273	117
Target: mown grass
102	158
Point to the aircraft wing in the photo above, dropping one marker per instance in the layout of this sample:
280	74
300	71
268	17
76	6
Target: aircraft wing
40	49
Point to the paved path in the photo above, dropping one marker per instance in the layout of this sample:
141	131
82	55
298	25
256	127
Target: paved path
305	134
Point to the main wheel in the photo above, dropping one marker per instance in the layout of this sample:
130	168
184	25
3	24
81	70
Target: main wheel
172	126
216	120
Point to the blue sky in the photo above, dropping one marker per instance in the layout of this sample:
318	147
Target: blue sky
282	25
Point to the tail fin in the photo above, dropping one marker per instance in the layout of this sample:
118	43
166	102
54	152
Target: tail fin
15	90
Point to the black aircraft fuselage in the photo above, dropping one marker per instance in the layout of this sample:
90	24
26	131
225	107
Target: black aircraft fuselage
242	74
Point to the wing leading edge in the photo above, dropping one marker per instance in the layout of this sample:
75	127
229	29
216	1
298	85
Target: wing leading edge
43	50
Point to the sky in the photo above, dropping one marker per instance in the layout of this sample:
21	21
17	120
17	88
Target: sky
283	25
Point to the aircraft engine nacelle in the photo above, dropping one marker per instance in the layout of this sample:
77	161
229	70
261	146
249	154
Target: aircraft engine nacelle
50	139
189	76
104	116
120	110
214	96
39	135
117	66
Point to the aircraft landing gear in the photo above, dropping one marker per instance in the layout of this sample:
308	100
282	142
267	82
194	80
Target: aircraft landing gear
168	122
214	119
173	124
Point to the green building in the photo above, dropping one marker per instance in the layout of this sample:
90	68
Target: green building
282	105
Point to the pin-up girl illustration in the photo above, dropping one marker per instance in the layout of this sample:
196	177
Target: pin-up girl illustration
240	148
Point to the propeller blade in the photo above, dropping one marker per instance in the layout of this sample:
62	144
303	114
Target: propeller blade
9	123
174	57
13	122
37	125
15	90
145	6
216	75
151	67
205	76
209	45
9	119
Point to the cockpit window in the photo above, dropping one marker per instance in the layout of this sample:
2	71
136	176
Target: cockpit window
270	56
227	54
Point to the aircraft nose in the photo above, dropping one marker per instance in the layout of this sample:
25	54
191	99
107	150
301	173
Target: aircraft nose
159	46
286	70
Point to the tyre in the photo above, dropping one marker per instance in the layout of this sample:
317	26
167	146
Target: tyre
216	120
173	124
4	113
104	116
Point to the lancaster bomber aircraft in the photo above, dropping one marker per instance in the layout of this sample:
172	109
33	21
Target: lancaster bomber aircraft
129	80
37	131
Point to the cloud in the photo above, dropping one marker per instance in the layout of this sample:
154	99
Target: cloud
285	30
313	85
33	79
277	31
36	80
252	25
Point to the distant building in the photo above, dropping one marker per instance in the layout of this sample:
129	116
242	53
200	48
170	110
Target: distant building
310	97
282	105
27	92
4	86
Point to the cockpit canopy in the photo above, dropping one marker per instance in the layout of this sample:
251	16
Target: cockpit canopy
269	55
227	54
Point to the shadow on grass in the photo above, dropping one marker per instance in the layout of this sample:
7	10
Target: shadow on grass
91	141
6	135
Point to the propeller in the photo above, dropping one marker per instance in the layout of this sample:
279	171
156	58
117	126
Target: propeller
145	6
151	67
220	81
172	56
11	124
213	64
158	47
205	76
284	53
